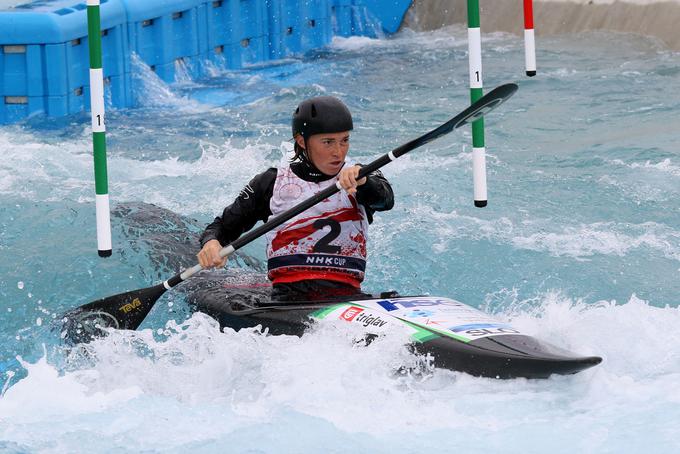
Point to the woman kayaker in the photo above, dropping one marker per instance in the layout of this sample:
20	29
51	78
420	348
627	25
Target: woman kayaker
321	252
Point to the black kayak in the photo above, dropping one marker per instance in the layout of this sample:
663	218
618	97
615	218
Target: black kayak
456	336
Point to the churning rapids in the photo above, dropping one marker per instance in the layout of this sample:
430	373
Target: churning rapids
580	246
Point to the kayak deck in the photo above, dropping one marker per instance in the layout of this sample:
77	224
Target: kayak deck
475	344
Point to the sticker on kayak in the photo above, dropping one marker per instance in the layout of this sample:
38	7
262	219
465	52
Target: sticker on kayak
444	316
424	317
366	318
374	321
477	330
350	313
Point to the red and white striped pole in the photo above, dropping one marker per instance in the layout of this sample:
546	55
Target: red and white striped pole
529	40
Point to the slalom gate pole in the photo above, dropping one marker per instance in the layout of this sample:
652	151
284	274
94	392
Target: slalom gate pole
529	39
98	129
476	92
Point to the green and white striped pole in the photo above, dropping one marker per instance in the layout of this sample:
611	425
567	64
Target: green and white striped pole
94	39
475	65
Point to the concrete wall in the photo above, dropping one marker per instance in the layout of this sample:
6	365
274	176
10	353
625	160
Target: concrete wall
654	18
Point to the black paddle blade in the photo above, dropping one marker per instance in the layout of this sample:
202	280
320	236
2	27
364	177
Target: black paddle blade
486	104
477	110
122	311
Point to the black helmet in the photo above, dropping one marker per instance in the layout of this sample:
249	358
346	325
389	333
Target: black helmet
323	114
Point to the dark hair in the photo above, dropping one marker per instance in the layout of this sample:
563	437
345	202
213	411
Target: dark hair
300	153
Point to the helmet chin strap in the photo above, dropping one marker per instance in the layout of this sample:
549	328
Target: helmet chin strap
304	151
304	156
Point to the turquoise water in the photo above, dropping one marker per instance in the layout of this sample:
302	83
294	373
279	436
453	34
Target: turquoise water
580	245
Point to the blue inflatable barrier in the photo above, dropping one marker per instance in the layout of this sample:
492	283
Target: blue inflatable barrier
253	19
386	14
342	17
44	57
166	34
305	25
223	33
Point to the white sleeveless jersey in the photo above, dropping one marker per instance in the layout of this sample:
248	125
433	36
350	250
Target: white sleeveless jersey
327	241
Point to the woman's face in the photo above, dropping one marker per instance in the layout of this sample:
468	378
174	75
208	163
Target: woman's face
327	151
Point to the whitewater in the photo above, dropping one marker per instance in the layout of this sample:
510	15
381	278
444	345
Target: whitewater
579	246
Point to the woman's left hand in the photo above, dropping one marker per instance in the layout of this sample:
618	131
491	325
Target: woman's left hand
348	179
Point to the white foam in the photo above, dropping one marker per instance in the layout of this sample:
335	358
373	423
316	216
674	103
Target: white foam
354	43
612	329
47	393
151	91
605	238
665	166
40	170
183	71
443	38
578	241
220	384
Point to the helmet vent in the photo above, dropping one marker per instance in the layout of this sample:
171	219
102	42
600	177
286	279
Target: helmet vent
313	110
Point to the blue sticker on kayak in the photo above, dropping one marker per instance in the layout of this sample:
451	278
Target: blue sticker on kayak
457	329
385	304
393	305
416	313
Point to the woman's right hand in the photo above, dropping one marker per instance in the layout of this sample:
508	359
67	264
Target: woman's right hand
209	256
